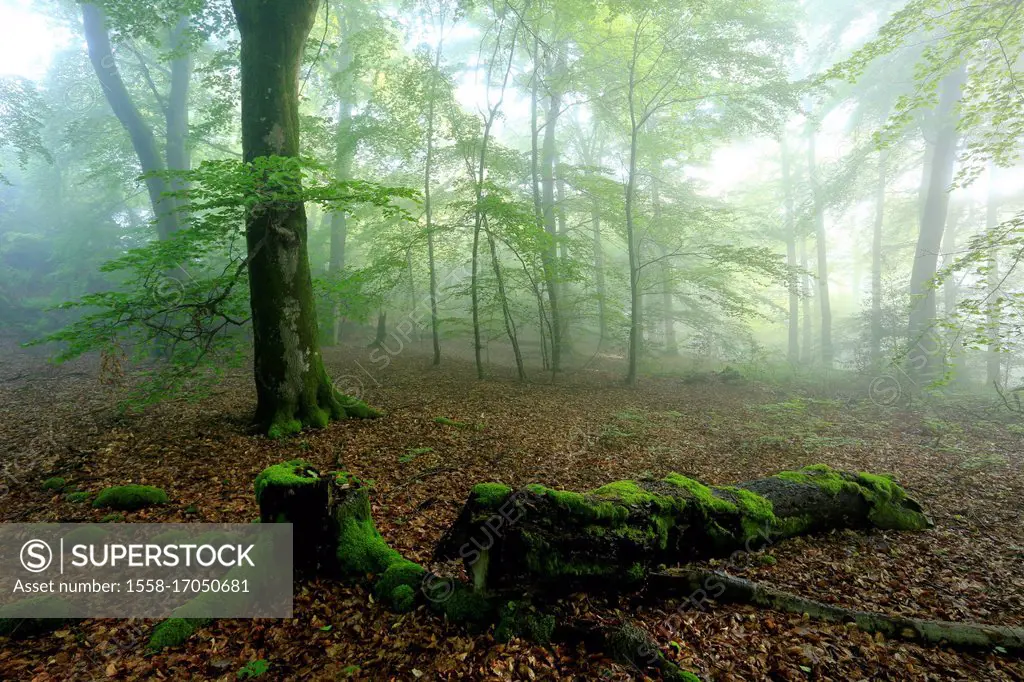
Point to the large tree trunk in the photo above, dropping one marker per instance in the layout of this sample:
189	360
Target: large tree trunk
292	387
104	63
925	364
618	532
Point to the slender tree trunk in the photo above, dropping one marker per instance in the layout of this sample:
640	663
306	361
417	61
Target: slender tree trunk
563	254
594	156
382	329
178	156
993	359
538	205
602	314
550	254
428	208
925	363
821	241
478	208
668	316
344	152
292	387
104	63
634	268
806	351
793	349
510	324
876	261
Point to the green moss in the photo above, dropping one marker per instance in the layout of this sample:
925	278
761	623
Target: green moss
78	497
578	505
403	599
358	409
520	620
281	428
636	573
318	418
129	497
401	574
757	515
361	549
701	493
445	421
490	495
889	506
54	483
466	606
116	517
627	492
291	474
174	632
793	525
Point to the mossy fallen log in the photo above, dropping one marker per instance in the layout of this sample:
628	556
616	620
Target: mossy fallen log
617	533
727	588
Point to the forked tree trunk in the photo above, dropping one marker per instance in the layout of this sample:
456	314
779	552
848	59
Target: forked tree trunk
617	533
101	55
292	387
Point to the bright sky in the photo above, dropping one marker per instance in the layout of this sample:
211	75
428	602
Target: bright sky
27	39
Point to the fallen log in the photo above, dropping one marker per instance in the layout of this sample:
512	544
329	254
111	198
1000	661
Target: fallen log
617	533
727	588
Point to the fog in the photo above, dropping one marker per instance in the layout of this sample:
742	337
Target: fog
288	214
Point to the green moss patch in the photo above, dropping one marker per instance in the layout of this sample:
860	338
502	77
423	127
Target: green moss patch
174	632
518	619
490	495
78	497
291	474
129	497
54	483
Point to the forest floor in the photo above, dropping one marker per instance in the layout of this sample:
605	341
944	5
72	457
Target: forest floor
963	462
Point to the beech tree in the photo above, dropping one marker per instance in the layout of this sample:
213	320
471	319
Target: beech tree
292	387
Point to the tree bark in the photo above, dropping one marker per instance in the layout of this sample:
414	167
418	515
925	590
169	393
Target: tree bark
550	254
344	152
806	354
618	532
793	349
723	587
292	387
821	242
876	262
101	55
178	155
428	209
933	224
993	359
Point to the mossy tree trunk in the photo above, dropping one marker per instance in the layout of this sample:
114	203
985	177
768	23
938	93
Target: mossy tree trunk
292	387
617	533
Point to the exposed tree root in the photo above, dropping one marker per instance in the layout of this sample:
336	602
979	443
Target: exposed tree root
724	587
